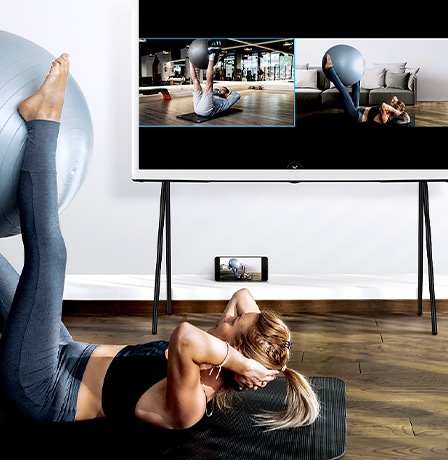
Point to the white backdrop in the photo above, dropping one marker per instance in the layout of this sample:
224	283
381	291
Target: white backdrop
111	225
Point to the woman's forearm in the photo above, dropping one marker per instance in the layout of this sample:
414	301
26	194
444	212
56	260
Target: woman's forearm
390	109
189	344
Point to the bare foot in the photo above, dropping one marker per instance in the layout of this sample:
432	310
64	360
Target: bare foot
328	64
47	102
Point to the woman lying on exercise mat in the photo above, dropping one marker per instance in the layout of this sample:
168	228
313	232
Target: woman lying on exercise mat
45	375
390	114
205	102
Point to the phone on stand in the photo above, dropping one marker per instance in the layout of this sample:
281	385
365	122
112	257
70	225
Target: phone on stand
241	268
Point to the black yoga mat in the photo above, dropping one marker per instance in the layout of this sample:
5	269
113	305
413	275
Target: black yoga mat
232	435
199	118
223	436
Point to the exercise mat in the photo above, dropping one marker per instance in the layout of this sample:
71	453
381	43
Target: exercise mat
228	435
194	117
339	120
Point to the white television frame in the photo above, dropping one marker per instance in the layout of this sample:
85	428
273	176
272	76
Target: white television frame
288	174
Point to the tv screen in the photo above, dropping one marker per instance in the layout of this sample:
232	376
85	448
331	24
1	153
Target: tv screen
272	135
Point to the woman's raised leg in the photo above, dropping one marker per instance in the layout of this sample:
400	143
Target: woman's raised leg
44	107
356	93
45	104
349	108
30	343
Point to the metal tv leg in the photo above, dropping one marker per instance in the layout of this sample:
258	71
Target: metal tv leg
420	248
164	216
423	215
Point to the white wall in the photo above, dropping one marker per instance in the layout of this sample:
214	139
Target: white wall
111	225
419	52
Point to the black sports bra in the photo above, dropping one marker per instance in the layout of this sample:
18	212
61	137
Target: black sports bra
133	370
372	113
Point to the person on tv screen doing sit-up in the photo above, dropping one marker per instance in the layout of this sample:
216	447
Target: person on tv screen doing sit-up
392	113
205	102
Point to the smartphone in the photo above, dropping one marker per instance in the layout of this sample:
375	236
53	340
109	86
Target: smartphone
241	268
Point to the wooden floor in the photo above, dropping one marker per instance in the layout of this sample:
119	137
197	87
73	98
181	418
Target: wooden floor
259	108
427	114
264	108
396	371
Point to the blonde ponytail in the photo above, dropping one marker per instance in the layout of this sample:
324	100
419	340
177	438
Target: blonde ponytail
302	405
269	343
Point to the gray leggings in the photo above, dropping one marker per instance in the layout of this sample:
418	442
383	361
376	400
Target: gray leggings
41	366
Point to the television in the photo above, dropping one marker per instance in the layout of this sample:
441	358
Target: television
192	152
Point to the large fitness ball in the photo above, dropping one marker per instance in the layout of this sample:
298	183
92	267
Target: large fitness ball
348	63
24	66
198	54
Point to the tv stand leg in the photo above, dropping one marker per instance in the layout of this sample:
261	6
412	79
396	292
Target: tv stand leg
423	216
164	217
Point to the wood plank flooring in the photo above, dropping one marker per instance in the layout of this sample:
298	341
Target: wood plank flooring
264	108
260	108
396	371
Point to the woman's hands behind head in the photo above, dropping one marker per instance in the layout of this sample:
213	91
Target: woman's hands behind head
255	376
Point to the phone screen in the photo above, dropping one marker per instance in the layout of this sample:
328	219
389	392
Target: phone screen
241	268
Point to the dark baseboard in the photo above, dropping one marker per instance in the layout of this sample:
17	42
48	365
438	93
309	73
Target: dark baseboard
145	308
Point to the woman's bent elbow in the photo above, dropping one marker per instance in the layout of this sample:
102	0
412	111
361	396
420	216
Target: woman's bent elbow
182	336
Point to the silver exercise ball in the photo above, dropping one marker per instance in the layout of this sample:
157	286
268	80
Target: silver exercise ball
198	54
24	66
348	63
